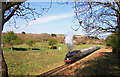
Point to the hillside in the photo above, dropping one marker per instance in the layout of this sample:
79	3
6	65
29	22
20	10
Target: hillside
44	37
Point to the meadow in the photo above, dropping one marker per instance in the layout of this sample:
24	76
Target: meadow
23	61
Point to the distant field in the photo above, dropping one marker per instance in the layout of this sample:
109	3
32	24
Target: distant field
23	61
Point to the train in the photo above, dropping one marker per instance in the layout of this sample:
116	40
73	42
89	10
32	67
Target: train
78	54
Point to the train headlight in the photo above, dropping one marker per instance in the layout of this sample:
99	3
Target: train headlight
67	58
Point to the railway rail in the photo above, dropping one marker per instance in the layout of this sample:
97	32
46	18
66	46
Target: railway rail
60	68
51	72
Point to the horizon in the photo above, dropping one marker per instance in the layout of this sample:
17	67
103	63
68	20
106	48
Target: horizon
38	33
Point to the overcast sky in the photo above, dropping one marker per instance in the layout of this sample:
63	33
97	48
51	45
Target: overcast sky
57	20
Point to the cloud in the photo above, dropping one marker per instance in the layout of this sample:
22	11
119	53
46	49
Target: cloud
47	19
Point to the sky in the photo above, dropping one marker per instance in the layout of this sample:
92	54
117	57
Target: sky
57	20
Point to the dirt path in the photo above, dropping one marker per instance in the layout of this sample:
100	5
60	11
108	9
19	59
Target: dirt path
81	63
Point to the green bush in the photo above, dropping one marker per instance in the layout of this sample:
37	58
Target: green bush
11	39
53	35
52	42
114	41
18	41
44	39
30	43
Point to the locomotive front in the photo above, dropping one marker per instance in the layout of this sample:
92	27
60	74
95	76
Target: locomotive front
68	58
72	56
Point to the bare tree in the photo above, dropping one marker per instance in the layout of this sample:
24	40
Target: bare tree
13	10
98	17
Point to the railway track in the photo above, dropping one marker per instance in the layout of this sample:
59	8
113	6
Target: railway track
60	68
53	71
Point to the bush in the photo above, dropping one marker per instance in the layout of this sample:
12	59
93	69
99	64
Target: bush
114	41
11	39
53	35
18	41
30	43
44	39
52	42
23	33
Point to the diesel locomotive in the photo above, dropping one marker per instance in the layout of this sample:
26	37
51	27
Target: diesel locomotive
78	54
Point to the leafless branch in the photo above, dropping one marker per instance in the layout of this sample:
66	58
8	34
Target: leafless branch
22	10
97	17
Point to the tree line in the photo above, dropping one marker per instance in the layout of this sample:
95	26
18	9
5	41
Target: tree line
11	39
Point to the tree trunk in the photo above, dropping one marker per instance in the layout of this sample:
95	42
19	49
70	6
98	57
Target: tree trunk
3	65
52	46
118	34
11	48
31	48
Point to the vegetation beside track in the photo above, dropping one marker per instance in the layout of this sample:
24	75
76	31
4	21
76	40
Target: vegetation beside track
24	61
101	63
105	65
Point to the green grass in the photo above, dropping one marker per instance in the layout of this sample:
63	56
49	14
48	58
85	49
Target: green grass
23	61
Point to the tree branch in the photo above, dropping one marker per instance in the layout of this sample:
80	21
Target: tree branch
12	13
113	7
110	15
11	4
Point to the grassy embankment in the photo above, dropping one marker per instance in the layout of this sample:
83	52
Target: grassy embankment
102	63
106	65
23	61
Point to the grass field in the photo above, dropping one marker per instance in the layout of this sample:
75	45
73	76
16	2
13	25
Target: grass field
23	61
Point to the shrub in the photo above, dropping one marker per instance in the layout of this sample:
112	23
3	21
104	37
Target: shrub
23	33
30	43
53	35
18	41
44	39
11	39
52	42
114	41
